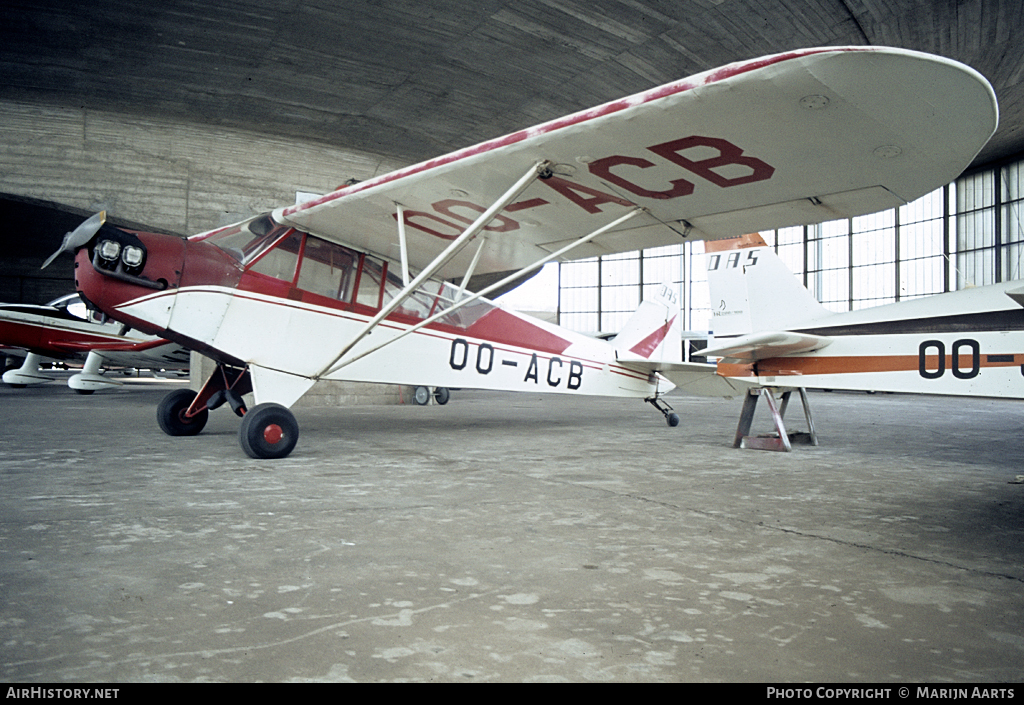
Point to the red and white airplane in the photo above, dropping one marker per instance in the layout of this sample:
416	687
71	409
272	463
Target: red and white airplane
771	332
371	282
65	330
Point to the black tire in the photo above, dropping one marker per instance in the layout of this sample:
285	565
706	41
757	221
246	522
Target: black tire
268	431
442	395
421	396
673	420
170	414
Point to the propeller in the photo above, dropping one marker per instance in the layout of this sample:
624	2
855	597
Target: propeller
79	236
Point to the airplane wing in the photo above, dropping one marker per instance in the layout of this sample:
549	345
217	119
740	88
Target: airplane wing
73	346
795	138
759	346
53	332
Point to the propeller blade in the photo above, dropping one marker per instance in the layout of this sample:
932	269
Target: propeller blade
79	236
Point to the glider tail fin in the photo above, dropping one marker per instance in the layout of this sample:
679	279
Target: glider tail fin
652	333
752	290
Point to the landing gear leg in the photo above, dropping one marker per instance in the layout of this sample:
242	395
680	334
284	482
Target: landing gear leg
671	417
780	441
185	413
27	374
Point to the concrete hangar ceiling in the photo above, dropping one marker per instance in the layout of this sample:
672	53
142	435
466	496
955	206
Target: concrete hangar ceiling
359	87
413	79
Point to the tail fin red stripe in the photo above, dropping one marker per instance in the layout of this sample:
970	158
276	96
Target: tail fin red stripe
648	345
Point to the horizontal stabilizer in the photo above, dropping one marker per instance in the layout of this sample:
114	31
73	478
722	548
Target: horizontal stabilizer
759	346
697	378
1017	295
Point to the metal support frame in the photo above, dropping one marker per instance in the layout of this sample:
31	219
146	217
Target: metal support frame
227	384
535	172
781	441
671	417
472	268
336	365
402	247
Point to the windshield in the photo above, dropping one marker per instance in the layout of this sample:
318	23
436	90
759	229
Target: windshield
246	241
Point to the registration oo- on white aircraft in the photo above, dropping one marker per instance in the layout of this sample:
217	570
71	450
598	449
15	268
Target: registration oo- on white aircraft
771	332
352	285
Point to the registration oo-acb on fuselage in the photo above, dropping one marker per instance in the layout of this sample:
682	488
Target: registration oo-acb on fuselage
358	284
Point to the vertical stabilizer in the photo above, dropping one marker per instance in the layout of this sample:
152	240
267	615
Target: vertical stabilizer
752	290
652	333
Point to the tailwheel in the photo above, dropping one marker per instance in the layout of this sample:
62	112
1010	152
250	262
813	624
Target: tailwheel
172	414
671	417
268	431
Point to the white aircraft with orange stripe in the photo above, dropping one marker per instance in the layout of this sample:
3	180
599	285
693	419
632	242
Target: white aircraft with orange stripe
771	332
372	282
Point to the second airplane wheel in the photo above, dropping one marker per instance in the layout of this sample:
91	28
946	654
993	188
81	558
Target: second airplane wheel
268	431
442	395
421	396
170	414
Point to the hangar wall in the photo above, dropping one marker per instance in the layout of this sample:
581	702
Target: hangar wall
173	176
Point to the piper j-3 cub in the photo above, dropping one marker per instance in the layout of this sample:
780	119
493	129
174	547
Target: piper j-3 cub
372	282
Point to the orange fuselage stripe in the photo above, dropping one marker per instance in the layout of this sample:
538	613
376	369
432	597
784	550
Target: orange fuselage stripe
853	364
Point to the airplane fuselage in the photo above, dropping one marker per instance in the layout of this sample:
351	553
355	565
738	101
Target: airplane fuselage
285	310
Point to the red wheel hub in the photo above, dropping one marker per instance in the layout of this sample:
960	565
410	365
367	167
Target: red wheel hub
273	434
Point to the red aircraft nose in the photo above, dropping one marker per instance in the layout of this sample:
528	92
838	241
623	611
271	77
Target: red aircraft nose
119	268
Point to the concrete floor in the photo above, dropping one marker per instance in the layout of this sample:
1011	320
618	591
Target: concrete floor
511	538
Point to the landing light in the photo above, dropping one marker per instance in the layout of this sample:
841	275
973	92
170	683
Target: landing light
132	256
109	250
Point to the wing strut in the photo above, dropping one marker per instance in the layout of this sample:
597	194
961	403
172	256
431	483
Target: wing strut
335	365
401	244
472	268
536	171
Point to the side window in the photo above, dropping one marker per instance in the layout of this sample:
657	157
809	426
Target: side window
327	269
370	282
280	262
418	304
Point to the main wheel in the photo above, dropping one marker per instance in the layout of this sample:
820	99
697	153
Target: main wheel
421	396
442	395
268	431
170	414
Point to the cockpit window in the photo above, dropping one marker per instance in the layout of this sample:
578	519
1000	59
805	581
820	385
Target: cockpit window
72	306
279	262
247	241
